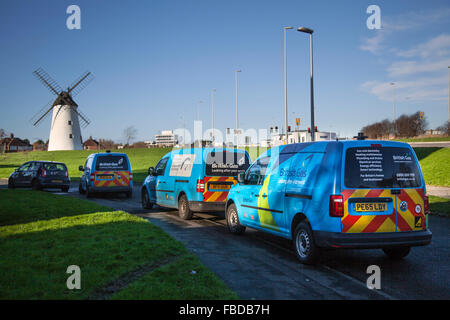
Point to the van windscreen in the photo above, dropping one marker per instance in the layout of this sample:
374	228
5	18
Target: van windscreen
226	163
381	167
105	163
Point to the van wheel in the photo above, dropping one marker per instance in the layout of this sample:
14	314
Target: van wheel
397	252
145	200
304	245
183	208
80	189
234	226
35	185
129	194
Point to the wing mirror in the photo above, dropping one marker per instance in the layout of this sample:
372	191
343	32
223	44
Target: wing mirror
151	171
241	177
80	168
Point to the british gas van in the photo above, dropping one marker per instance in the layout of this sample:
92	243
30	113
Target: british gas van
340	194
106	172
194	179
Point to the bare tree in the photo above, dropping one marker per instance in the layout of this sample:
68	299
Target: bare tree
129	134
106	144
2	133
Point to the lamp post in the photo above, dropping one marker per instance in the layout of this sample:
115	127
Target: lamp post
310	32
449	94
212	115
198	110
237	94
407	98
395	98
285	84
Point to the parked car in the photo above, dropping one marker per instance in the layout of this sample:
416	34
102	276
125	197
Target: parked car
194	180
341	194
106	172
39	175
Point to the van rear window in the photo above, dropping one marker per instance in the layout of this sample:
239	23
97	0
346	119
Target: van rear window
226	163
105	163
381	167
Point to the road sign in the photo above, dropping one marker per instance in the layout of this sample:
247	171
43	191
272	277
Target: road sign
297	121
422	115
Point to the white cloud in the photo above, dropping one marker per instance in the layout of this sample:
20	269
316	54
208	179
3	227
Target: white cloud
438	46
403	68
429	88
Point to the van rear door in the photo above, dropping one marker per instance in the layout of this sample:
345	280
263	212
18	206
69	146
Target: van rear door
221	170
112	171
383	190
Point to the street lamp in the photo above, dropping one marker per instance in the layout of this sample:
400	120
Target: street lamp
407	98
237	93
285	84
449	94
395	98
310	32
212	114
198	110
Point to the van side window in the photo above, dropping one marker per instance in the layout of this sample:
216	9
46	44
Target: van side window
257	172
161	167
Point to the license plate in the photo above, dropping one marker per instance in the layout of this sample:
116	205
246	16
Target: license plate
57	181
219	186
370	206
107	177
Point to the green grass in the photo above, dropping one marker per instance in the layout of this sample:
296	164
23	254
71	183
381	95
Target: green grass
435	164
427	139
37	247
140	160
434	161
439	206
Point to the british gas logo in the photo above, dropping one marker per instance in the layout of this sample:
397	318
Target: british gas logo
297	173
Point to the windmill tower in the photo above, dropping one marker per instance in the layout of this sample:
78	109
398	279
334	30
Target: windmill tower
65	131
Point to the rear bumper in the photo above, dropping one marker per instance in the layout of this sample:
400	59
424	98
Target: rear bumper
372	240
49	184
110	189
200	206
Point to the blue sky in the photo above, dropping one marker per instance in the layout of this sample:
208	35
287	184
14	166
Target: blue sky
154	60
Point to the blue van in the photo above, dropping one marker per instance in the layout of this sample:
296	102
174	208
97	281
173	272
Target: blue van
339	194
194	179
106	172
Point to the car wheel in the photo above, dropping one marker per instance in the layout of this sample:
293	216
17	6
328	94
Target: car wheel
184	211
88	193
65	189
35	185
145	200
11	184
304	245
233	223
80	189
397	252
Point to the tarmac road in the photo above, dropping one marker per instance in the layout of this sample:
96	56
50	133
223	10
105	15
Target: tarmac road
260	266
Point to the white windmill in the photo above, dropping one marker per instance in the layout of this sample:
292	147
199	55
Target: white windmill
65	132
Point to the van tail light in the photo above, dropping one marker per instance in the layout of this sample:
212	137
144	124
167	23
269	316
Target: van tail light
200	185
92	177
131	176
43	173
336	206
426	204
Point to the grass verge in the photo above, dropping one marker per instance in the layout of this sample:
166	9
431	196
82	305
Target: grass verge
36	249
439	206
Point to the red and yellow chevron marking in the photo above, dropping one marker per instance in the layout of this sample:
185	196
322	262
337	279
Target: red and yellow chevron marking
367	223
216	196
121	179
403	221
410	220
